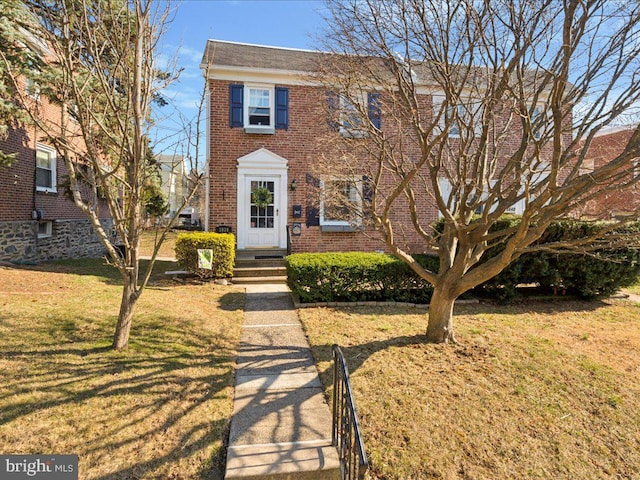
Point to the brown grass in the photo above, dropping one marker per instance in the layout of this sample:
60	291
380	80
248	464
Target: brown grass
159	410
539	391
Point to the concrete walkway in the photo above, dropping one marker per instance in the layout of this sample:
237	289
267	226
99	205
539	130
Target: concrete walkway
281	425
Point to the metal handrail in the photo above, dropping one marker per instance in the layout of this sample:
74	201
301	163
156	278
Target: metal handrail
346	429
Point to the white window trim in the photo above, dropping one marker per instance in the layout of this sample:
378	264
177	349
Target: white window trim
54	160
341	223
345	103
445	188
272	107
49	229
438	100
32	89
535	114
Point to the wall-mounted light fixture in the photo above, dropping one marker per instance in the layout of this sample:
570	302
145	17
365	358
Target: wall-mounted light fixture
294	185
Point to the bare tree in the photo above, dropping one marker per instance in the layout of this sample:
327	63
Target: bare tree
101	69
486	108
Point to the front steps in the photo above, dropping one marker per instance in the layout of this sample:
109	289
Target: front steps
260	266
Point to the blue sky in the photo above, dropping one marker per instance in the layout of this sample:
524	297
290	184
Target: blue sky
284	23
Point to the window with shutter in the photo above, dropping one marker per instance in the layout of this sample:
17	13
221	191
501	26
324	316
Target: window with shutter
341	203
258	108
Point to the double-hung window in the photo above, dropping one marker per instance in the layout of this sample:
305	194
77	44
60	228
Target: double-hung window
351	121
46	169
460	120
341	203
259	107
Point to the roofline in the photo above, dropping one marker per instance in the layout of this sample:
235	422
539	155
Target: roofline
616	129
265	46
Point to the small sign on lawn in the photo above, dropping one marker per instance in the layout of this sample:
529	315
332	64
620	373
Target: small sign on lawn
205	258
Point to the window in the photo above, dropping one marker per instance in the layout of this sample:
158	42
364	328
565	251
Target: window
45	169
458	118
31	86
350	119
258	108
537	123
341	203
354	112
44	229
32	89
452	201
454	113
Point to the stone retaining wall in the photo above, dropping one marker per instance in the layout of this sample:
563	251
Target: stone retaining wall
19	241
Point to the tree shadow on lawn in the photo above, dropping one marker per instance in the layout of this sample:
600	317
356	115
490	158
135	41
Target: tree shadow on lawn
96	267
356	355
147	387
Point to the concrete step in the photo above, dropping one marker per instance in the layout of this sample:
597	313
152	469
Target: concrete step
278	279
311	460
259	271
261	254
250	262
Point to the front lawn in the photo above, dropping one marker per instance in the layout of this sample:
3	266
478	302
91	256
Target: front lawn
536	391
158	410
148	240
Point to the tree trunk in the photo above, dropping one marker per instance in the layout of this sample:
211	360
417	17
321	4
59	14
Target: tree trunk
440	328
127	304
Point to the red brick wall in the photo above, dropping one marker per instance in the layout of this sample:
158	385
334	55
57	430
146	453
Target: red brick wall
298	145
612	201
308	140
18	196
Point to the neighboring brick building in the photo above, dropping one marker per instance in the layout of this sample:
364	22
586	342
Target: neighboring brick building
38	222
268	127
613	202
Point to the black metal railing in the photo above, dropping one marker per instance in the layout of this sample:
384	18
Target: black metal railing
346	430
288	240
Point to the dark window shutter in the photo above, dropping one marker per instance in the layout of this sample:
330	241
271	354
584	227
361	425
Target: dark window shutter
367	189
311	180
313	216
312	212
282	108
333	106
236	110
373	104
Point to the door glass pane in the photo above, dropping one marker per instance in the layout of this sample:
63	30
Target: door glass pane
262	205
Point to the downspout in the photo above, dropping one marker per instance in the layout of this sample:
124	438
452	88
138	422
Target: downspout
207	208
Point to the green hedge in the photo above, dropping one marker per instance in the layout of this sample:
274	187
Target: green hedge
601	273
356	276
224	252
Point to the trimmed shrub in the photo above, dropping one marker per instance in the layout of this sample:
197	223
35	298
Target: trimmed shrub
355	276
222	244
600	273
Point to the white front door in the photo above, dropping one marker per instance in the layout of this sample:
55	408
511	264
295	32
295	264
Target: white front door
263	212
262	224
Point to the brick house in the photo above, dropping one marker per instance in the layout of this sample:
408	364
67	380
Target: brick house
38	221
611	202
266	116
